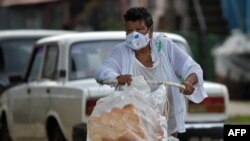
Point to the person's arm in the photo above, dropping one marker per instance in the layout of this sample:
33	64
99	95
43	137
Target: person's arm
111	67
189	71
178	60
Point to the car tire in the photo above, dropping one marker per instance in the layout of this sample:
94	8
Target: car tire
80	132
57	134
2	88
4	131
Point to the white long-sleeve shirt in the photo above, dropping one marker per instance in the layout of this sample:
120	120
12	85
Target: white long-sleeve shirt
170	63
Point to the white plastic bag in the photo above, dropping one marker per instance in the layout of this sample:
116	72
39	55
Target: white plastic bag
132	114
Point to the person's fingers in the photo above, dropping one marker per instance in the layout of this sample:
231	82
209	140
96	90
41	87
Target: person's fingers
189	89
121	83
181	90
121	80
186	91
129	80
124	79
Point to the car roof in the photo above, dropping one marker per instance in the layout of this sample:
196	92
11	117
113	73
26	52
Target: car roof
19	33
98	35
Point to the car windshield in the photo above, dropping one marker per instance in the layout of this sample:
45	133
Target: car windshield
14	55
86	57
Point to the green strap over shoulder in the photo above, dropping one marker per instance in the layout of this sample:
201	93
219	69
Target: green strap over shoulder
158	45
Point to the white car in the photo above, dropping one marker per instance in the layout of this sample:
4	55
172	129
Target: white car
15	49
59	91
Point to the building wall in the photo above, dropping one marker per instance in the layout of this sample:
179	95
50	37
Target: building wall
34	16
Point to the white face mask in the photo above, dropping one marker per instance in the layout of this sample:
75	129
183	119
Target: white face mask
137	41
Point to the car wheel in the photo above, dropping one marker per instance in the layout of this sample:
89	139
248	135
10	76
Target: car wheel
57	134
183	137
4	131
80	132
1	89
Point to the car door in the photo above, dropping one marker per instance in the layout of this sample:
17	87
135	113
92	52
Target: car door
20	97
40	98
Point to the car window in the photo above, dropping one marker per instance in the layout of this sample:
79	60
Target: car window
50	62
15	55
36	63
86	57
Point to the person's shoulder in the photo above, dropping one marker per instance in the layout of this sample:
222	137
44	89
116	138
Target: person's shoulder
161	41
160	36
164	39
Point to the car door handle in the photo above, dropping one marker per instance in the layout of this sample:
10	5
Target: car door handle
28	91
48	90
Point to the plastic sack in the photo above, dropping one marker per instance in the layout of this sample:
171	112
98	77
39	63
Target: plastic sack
134	114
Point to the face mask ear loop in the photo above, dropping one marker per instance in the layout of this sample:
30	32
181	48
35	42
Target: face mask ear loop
149	29
150	38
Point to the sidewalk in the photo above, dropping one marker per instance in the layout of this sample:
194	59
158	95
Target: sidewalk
239	108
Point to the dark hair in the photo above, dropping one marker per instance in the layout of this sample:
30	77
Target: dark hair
139	14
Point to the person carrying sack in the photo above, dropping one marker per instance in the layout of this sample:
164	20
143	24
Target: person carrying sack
156	57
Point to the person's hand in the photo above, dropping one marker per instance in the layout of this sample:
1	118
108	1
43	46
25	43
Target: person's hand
124	79
189	89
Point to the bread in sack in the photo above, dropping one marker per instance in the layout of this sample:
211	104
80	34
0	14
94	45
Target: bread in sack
120	124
